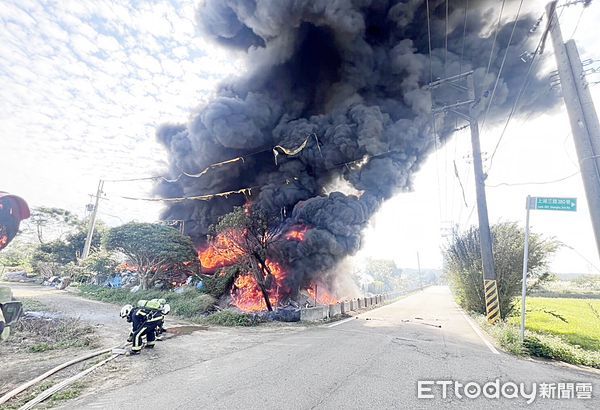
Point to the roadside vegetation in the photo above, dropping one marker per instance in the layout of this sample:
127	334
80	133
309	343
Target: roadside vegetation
188	304
45	331
559	328
576	321
539	344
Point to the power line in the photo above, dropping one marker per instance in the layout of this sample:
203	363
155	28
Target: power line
495	37
462	50
429	43
446	43
578	21
489	105
534	183
247	190
517	100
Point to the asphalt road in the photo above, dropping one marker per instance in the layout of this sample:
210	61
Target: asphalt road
372	361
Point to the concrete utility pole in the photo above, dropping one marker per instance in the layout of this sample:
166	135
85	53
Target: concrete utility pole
582	115
419	267
485	238
92	224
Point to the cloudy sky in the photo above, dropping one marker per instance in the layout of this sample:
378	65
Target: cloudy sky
85	83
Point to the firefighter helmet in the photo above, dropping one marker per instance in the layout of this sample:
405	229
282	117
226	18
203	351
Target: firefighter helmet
126	310
166	309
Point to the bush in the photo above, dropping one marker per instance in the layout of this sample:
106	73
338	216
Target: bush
39	334
554	347
230	318
218	283
189	304
464	266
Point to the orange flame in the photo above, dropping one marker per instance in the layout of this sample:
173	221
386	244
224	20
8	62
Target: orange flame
3	235
246	294
222	252
324	296
296	234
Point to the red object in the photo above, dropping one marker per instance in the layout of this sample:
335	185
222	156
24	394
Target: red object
13	210
18	204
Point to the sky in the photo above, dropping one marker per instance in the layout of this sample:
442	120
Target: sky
86	83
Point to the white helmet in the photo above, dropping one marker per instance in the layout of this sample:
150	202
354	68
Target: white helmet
166	309
125	310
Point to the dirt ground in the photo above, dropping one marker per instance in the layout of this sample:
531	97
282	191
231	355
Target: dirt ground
183	345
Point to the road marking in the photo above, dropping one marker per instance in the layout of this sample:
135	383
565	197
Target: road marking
476	329
340	322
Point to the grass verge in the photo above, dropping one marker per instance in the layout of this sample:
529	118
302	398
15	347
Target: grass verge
576	321
189	305
539	344
229	318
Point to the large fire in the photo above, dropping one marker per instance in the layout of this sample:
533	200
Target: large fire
296	234
222	252
320	293
246	294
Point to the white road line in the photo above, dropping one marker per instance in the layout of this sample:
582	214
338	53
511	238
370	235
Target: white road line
476	329
340	322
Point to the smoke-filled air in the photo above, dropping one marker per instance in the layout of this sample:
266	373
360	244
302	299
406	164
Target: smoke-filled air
340	87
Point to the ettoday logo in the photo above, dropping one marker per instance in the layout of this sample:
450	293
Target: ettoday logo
432	389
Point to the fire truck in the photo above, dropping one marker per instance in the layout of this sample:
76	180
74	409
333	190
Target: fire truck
13	210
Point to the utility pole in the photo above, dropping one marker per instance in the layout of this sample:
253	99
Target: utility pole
92	224
490	285
419	267
582	115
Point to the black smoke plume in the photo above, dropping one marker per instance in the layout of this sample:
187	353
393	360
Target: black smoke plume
352	73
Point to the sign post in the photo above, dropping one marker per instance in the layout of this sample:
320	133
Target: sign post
543	204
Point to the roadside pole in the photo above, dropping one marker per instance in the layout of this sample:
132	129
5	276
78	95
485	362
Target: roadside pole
541	204
92	224
419	267
490	284
525	261
582	115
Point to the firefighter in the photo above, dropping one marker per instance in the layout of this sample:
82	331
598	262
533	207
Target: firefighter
146	319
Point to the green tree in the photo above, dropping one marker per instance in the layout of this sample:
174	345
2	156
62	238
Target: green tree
155	250
252	234
50	258
464	266
99	264
386	275
52	223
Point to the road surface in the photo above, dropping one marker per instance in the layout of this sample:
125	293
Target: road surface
372	361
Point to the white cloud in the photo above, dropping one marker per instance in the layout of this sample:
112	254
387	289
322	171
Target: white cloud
84	85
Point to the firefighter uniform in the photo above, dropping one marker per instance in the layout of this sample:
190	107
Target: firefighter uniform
145	322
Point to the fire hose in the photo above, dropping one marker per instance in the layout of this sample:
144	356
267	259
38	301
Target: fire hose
64	383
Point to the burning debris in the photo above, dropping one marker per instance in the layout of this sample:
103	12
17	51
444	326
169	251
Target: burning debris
338	89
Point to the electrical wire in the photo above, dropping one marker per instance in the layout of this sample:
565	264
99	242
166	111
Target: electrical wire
534	61
534	183
512	33
446	43
514	107
429	43
462	50
495	38
577	24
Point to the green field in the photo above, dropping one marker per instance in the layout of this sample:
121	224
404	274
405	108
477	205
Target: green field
575	320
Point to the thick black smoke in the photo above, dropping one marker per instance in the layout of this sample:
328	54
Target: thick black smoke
351	72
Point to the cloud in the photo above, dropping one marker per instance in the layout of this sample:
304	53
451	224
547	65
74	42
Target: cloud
84	86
